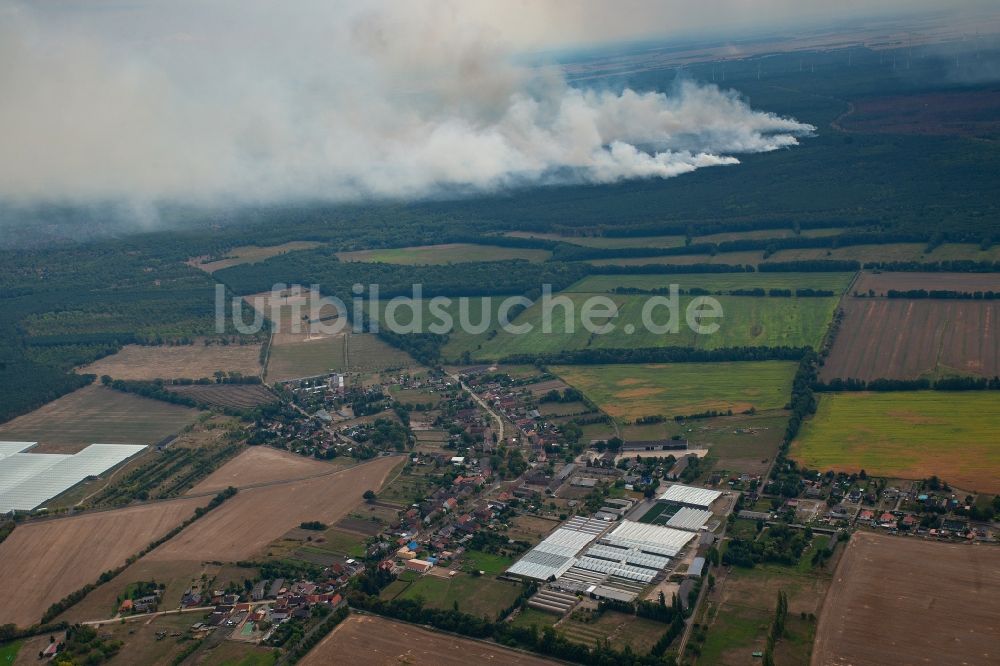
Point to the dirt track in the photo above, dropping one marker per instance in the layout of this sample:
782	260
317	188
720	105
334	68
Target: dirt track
900	600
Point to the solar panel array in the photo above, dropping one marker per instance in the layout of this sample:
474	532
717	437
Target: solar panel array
27	480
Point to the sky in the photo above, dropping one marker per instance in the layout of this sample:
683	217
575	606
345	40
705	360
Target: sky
253	101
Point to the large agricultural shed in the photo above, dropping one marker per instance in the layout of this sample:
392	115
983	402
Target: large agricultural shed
29	479
584	557
689	519
557	553
690	496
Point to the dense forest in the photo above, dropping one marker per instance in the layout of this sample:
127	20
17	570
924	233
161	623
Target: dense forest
78	283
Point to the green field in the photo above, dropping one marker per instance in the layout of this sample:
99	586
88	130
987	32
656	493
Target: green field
862	253
907	434
492	565
614	242
746	322
467	316
8	652
716	282
451	253
305	359
476	595
628	391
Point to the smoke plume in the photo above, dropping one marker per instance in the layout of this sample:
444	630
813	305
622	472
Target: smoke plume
336	101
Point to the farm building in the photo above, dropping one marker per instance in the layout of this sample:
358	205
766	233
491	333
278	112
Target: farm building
689	519
699	498
27	480
557	553
639	445
420	566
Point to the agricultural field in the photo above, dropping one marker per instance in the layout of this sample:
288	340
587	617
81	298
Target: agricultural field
618	629
450	253
258	465
193	361
367	352
715	282
295	360
906	435
251	254
739	611
862	253
882	282
369	639
746	322
237	396
475	595
905	339
630	391
615	242
43	561
931	602
100	414
245	524
469	320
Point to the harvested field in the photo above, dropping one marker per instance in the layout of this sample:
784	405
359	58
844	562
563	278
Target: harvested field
99	414
295	360
369	639
966	113
715	282
177	362
631	391
261	464
244	525
42	562
238	396
367	352
905	339
450	253
881	283
251	254
906	435
909	601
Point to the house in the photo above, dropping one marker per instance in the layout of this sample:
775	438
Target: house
420	566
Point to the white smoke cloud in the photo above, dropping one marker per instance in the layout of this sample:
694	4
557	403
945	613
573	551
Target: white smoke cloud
267	101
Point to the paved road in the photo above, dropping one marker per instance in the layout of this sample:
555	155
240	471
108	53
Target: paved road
482	403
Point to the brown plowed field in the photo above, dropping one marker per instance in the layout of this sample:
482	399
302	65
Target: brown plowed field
40	563
177	362
261	464
881	283
239	396
905	339
911	601
376	641
245	524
